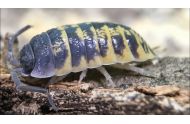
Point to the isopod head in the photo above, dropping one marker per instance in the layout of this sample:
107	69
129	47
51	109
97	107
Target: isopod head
27	59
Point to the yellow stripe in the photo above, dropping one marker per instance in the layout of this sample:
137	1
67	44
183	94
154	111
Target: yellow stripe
67	68
127	54
83	63
142	55
110	55
97	61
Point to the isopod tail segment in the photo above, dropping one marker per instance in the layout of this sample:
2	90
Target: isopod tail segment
16	70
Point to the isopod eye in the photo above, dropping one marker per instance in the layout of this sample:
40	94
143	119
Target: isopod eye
27	59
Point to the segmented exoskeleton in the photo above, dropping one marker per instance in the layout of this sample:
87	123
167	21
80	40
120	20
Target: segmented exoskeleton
74	48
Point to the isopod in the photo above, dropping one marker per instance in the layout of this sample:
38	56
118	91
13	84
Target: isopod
76	48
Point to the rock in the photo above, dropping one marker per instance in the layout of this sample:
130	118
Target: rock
167	90
146	90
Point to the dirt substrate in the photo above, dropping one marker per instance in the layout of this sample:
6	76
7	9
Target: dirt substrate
134	94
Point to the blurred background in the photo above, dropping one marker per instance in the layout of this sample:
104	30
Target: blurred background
166	28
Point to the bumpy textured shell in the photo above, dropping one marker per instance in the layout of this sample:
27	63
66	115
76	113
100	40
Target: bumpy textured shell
73	48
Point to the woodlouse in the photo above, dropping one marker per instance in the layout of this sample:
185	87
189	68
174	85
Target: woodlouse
74	48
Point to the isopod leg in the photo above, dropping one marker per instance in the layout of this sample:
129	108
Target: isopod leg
50	100
140	71
135	69
107	76
25	87
82	75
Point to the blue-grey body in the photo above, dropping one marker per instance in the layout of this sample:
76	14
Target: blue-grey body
47	53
